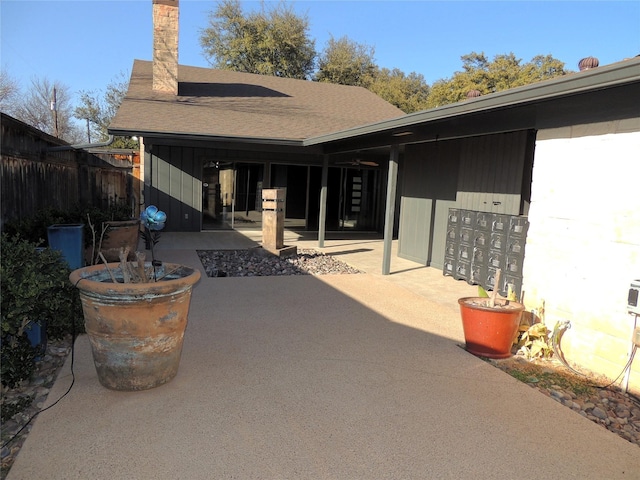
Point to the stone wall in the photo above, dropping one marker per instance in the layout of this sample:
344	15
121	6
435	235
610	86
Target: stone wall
583	246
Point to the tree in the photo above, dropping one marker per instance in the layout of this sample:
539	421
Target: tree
504	72
9	92
269	42
407	92
47	107
100	109
543	67
91	112
346	62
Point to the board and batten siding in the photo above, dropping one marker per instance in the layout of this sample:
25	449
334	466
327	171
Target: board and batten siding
173	182
491	173
428	191
583	243
479	173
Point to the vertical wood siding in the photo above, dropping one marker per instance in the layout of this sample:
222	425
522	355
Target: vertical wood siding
480	173
429	188
174	184
491	172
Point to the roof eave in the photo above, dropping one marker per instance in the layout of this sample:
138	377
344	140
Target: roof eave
207	138
602	77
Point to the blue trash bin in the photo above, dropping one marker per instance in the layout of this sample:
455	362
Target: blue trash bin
68	239
37	335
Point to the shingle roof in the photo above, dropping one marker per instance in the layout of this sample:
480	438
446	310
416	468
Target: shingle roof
222	103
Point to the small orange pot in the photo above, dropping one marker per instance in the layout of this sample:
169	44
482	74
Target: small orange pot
136	330
490	332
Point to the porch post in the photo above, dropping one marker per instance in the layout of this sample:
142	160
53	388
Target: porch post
323	201
266	175
390	209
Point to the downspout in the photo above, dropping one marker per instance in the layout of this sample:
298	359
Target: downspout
79	146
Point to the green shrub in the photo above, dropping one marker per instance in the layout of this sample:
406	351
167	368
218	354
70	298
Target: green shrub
18	359
35	287
34	228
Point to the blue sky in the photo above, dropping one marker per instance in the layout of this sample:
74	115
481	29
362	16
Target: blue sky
86	44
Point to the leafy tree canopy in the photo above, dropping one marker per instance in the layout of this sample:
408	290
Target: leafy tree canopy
504	72
349	63
346	62
271	41
407	92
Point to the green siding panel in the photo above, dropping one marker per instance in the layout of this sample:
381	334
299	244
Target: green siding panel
415	227
481	173
428	190
175	186
491	173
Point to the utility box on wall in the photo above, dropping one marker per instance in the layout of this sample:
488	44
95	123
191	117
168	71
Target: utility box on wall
633	302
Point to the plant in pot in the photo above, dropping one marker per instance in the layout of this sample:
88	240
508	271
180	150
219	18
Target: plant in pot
106	229
110	231
490	323
135	314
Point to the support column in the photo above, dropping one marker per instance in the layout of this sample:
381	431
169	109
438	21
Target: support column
266	175
390	209
322	220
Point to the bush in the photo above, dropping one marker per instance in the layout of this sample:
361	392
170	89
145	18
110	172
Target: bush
18	360
35	287
34	228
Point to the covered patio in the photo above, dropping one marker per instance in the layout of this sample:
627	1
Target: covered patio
343	376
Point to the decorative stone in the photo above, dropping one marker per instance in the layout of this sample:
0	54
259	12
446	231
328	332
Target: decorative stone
253	262
599	413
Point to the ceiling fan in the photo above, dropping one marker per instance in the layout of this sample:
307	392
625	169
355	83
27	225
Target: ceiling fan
212	164
357	162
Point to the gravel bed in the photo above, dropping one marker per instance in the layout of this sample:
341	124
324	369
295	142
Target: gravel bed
258	263
591	396
34	392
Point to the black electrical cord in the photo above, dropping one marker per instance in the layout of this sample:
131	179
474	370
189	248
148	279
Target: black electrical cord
73	379
556	338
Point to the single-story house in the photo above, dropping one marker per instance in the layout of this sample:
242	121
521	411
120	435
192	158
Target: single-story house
540	181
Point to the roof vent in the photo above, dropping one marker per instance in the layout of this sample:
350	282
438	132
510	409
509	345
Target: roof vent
473	93
587	63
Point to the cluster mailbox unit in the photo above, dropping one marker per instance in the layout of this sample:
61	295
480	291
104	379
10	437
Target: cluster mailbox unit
480	243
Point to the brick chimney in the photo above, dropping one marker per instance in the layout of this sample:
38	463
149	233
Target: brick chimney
165	46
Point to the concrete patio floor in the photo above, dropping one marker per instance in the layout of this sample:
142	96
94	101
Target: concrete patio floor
328	377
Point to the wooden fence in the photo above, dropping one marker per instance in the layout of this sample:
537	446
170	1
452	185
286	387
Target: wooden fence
35	177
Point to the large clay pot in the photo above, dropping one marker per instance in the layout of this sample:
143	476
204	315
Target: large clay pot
136	330
490	332
120	234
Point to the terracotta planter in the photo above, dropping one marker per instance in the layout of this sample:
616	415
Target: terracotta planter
120	234
489	332
136	330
